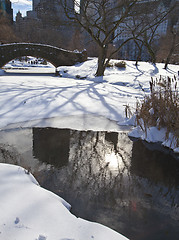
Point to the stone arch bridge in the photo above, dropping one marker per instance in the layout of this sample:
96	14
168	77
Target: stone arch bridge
54	55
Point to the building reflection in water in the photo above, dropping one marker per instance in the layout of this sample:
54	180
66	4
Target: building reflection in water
51	145
156	166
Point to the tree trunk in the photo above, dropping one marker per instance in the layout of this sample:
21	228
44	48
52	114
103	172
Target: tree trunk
151	53
171	50
138	58
139	53
101	61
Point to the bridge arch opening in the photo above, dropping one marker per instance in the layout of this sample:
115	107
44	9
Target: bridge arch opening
27	62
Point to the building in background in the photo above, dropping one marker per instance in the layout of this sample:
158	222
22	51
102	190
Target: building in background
47	24
145	12
6	9
7	34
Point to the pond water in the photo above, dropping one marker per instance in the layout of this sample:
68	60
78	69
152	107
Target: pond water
106	177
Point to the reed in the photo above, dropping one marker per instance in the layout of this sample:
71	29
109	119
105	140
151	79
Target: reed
161	107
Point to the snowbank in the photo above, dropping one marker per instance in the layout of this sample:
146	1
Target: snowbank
137	77
155	135
33	213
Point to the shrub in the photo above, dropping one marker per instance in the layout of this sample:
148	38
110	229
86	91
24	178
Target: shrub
161	107
121	64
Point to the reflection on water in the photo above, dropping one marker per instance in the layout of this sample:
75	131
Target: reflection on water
105	176
51	144
155	166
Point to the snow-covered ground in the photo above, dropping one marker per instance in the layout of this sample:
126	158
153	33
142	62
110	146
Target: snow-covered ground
77	93
39	98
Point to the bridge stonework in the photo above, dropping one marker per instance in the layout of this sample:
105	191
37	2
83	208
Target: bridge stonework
54	55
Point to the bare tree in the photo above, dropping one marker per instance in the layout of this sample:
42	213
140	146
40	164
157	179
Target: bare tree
173	33
169	44
97	17
148	27
173	45
107	20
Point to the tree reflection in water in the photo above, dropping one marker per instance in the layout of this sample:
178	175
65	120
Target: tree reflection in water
119	183
110	179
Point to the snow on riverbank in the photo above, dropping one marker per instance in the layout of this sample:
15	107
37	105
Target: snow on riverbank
35	93
155	135
33	213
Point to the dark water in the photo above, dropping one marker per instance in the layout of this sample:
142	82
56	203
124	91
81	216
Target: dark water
105	176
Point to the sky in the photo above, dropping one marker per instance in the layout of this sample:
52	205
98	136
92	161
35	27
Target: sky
22	6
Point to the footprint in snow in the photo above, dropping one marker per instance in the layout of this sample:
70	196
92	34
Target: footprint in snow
17	220
41	237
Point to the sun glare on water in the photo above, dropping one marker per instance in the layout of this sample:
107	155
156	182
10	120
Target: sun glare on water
114	160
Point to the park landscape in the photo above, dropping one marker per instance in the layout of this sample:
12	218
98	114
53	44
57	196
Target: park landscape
139	100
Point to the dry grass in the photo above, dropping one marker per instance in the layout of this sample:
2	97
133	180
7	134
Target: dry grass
161	107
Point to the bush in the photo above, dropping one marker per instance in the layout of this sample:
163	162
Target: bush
121	64
161	107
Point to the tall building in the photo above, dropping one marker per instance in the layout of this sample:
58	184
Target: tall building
6	9
35	4
47	23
